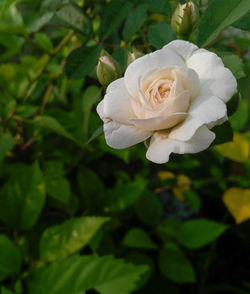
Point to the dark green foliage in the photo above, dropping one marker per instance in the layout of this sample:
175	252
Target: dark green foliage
77	216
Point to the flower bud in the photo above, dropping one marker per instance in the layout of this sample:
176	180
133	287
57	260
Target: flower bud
133	56
108	69
185	18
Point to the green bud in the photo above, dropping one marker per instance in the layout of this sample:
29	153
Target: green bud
185	18
108	69
133	56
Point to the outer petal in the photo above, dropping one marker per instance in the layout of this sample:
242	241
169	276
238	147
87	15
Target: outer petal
215	79
161	146
120	136
117	104
204	110
183	48
148	63
159	122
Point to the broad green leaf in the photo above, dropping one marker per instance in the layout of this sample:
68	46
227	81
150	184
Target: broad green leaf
134	22
4	6
234	63
38	23
240	118
6	144
193	200
91	95
157	6
57	186
218	16
199	232
243	23
10	258
113	14
22	197
138	238
72	16
160	34
60	241
91	189
6	291
174	265
224	133
148	208
44	42
238	150
81	61
52	124
124	195
237	201
78	274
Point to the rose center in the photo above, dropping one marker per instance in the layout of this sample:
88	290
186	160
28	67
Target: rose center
158	91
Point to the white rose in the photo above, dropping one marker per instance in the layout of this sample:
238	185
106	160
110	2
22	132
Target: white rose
173	95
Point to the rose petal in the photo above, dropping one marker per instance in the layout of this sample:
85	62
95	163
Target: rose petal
117	102
215	79
161	146
120	136
183	48
149	63
204	110
159	122
179	104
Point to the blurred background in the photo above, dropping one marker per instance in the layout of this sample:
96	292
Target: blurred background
79	217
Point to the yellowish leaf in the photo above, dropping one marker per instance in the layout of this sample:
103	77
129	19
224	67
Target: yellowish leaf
183	183
237	201
165	175
238	150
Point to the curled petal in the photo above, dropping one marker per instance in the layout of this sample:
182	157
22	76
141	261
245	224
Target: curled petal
183	48
161	146
159	122
149	63
205	110
117	102
215	79
121	136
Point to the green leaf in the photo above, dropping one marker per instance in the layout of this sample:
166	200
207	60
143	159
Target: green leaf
22	197
52	124
60	241
240	118
233	103
91	95
160	34
148	208
93	195
197	233
6	291
124	195
77	274
10	258
4	6
243	23
157	6
174	265
38	23
6	144
81	61
44	42
57	186
138	238
218	16
134	22
98	132
192	198
234	63
114	13
71	16
224	133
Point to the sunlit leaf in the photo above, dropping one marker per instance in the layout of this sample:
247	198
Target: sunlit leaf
237	201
